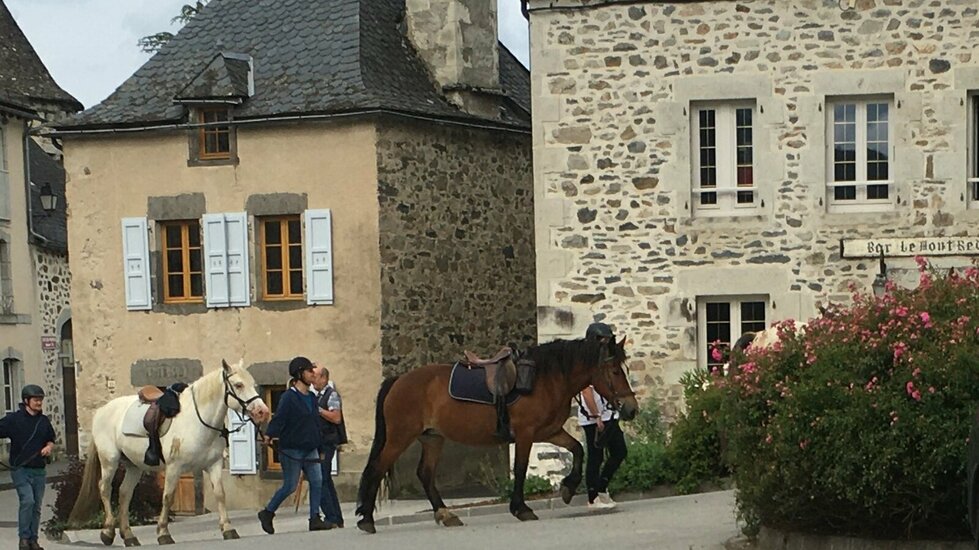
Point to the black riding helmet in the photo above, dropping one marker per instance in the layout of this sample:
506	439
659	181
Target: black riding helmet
598	330
298	365
31	390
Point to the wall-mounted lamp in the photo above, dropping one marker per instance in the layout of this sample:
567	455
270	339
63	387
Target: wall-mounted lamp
880	280
49	201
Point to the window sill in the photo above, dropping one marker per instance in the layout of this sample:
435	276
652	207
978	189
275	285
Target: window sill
280	305
15	319
180	309
233	161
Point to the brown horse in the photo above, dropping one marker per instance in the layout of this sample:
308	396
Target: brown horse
417	405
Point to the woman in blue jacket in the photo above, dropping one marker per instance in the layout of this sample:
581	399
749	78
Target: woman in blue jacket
296	424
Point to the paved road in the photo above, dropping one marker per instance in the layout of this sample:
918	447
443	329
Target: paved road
693	522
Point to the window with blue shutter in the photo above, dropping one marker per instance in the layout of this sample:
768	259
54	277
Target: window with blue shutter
226	259
241	445
319	257
136	264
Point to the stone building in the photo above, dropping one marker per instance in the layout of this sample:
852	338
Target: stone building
706	168
348	180
35	318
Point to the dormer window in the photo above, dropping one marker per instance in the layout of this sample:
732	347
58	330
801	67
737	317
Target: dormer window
215	134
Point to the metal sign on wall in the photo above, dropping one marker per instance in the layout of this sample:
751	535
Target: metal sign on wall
913	246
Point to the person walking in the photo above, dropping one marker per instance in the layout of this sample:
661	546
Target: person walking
31	443
603	436
333	433
296	424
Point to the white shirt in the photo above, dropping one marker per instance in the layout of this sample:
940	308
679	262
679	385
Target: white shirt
603	409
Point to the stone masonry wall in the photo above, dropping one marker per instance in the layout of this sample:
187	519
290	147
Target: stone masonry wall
53	281
617	238
457	260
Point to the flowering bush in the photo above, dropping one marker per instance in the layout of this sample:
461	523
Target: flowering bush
860	425
693	455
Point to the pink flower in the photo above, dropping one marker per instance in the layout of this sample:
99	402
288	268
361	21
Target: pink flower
931	389
926	319
922	262
715	354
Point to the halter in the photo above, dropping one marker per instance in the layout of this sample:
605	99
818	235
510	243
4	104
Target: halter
613	403
229	391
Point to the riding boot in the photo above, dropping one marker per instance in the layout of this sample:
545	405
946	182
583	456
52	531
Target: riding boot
503	430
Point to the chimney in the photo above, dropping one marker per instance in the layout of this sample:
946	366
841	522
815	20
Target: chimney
457	41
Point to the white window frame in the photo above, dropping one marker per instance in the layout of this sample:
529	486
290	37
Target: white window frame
972	177
861	203
10	381
5	208
735	302
726	143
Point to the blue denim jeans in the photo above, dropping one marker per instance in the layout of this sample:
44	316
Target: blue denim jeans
329	502
29	483
294	460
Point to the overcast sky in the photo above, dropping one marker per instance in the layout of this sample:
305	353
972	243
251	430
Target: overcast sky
89	46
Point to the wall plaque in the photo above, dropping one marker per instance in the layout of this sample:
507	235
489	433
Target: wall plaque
163	372
912	246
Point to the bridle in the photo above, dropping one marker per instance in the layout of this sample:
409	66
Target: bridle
606	366
229	391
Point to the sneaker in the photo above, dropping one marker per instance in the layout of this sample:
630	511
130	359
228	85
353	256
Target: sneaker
317	524
35	545
266	517
605	500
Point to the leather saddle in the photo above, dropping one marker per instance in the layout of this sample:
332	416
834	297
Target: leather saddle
501	372
149	394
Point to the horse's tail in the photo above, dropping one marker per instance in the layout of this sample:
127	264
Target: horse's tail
370	476
88	501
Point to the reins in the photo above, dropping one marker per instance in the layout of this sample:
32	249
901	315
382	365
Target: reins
229	391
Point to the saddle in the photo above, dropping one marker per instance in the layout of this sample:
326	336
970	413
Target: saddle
149	394
501	372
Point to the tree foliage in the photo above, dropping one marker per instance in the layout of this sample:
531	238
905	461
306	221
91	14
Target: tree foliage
153	42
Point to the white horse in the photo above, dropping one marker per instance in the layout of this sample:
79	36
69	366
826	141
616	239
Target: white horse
194	442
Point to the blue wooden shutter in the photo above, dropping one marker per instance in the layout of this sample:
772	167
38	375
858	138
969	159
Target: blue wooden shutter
136	264
241	445
319	257
236	227
216	260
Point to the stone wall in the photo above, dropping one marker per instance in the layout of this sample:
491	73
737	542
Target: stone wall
53	281
617	238
457	254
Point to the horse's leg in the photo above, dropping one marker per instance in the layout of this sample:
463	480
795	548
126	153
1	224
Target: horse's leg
431	452
396	442
521	459
109	465
126	489
570	483
171	478
217	484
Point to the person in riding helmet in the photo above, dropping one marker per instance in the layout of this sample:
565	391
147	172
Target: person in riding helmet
31	442
602	433
296	423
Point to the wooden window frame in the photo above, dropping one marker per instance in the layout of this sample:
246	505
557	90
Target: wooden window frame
286	268
736	321
205	131
186	272
269	462
860	184
729	197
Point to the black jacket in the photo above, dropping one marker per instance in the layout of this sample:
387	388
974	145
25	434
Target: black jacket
296	421
28	434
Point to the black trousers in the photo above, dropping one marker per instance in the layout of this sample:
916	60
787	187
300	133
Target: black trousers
597	474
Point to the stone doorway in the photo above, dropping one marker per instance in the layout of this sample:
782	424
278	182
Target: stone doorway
67	359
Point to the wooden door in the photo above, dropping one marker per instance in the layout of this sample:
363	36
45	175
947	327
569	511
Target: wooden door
67	357
185	497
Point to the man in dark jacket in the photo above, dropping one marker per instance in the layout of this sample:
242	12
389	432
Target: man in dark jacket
333	434
296	424
31	442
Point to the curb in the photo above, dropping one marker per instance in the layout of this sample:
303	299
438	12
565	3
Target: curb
774	539
7	485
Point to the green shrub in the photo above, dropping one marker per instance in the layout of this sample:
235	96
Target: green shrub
861	424
645	466
693	455
144	508
533	485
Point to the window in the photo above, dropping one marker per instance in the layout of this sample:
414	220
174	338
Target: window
215	139
281	247
10	385
271	396
721	321
723	158
859	138
973	179
183	280
4	176
6	281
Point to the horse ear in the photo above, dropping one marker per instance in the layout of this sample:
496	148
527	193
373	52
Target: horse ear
603	355
225	366
621	343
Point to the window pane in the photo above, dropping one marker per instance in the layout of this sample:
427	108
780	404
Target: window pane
175	261
296	257
708	198
176	285
752	316
746	197
272	232
223	142
845	193
295	231
273	283
877	191
273	257
296	282
197	285
172	236
718	311
196	261
194	234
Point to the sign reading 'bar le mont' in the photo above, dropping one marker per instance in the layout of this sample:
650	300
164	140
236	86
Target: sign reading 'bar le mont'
914	246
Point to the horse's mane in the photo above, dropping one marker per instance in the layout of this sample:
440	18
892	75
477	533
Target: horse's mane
561	356
211	385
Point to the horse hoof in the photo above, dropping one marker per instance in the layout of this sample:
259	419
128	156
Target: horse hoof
131	541
107	538
452	521
230	534
366	526
527	515
567	493
164	539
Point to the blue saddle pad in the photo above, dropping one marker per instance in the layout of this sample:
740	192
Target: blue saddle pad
469	384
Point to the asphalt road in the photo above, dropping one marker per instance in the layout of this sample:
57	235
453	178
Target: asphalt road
695	522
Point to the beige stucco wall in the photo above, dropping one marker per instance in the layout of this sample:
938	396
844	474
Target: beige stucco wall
333	164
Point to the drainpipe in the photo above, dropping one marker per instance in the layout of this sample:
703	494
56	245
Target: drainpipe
27	186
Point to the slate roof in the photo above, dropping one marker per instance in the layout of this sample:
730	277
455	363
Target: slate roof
50	225
224	78
309	57
23	77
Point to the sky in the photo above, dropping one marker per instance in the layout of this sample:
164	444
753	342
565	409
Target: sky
89	46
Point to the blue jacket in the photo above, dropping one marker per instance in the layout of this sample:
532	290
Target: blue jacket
28	434
296	421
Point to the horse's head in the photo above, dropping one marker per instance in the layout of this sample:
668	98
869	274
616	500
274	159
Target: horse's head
611	382
241	394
